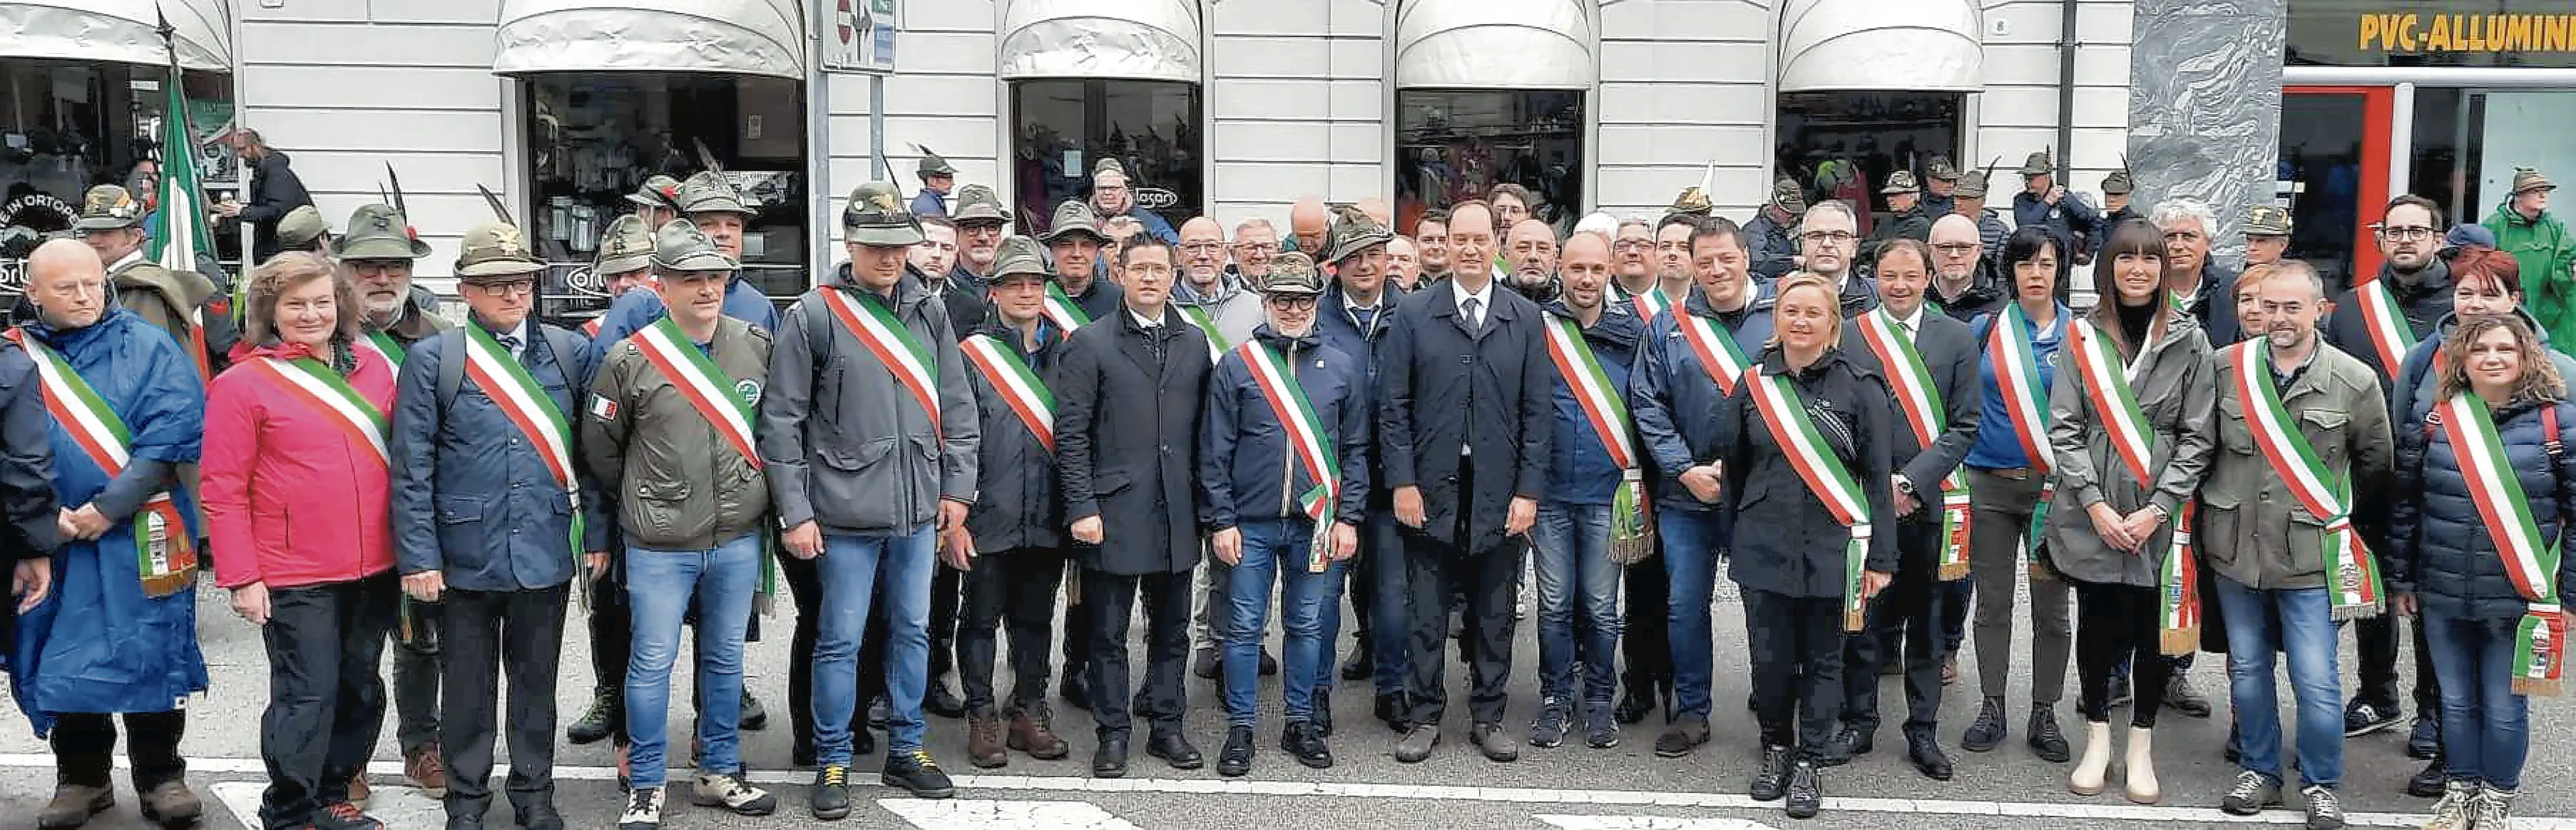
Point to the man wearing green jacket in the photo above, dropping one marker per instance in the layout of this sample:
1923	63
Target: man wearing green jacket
2540	244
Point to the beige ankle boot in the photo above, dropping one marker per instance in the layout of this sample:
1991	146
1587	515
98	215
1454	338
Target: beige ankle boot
2094	767
2141	775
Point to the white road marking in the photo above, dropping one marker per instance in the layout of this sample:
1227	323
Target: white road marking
986	814
395	806
1650	823
2200	816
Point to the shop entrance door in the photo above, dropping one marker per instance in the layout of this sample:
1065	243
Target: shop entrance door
2334	169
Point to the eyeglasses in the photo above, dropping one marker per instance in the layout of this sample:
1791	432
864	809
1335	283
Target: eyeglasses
2407	234
1836	237
1258	248
1292	301
1202	247
505	289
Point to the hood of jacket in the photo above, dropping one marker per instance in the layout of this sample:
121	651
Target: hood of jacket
2505	214
69	339
2435	278
183	289
2442	330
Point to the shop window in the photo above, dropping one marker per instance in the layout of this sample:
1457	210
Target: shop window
68	125
1844	145
2519	33
1453	145
593	138
1064	127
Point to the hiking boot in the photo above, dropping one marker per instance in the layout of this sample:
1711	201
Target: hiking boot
1417	744
171	804
72	806
986	748
1234	760
2494	809
1495	741
1771	778
426	770
1988	730
1548	730
2429	781
1806	790
2044	739
2253	792
913	771
2181	697
1850	743
1306	743
730	792
643	810
1032	730
830	795
2325	811
596	722
2458	808
1683	736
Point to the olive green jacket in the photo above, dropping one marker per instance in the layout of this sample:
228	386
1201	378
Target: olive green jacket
2252	528
680	484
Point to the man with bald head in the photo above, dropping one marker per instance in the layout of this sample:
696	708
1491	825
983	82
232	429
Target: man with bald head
1310	226
1529	258
1377	210
1593	461
1963	280
1220	304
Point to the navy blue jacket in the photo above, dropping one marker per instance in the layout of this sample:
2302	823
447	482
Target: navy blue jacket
2069	221
1342	330
1579	470
1682	416
1446	391
2424	305
472	496
2439	548
1016	503
1246	472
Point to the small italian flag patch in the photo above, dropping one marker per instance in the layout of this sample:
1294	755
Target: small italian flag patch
602	408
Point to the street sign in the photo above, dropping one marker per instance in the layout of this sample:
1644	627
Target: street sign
862	37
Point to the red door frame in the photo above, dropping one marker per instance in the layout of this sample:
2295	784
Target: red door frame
2378	119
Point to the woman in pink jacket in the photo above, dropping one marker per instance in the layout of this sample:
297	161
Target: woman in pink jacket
296	493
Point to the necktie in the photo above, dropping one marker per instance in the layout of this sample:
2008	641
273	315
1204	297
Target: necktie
510	343
1475	309
1365	316
1907	328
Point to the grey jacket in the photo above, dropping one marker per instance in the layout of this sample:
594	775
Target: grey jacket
2175	390
2252	528
848	445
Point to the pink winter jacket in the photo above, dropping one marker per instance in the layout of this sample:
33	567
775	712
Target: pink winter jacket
292	498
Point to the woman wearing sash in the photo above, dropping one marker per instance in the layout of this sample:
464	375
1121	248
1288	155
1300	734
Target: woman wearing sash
2483	282
2007	473
297	488
2475	549
2131	433
1804	480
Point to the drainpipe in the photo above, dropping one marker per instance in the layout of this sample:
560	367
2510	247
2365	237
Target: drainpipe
2066	91
818	144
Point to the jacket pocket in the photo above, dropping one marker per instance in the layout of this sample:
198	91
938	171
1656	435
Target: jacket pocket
859	488
1109	483
460	528
661	508
2322	428
2231	427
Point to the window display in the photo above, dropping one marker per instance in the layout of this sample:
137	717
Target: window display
1844	145
1454	145
1065	127
68	125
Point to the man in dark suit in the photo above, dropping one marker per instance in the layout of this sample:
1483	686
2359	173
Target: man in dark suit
1464	426
1128	494
1934	386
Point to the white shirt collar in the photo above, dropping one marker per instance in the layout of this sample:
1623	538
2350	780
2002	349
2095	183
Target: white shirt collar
1144	321
1913	322
1484	298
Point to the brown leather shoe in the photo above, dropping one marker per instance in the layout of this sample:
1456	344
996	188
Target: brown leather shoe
1033	732
358	791
985	746
171	804
426	769
72	806
1950	670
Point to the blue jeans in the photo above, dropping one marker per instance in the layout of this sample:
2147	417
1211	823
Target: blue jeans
659	584
1310	610
2299	622
1390	620
2486	728
1692	541
1573	558
850	567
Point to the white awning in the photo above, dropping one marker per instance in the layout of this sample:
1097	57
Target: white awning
1919	45
1520	44
746	37
1149	39
123	31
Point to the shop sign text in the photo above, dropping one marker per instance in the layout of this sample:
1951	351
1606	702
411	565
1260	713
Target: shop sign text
2423	33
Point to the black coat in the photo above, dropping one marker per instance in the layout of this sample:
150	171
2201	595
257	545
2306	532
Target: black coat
2423	304
1444	390
2214	304
1950	354
1016	505
274	190
1127	440
1786	542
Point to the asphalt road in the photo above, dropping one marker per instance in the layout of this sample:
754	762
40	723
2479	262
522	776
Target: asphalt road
1569	787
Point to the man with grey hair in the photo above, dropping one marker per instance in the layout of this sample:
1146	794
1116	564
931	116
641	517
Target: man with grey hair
2199	285
1828	244
1256	242
1403	264
1112	197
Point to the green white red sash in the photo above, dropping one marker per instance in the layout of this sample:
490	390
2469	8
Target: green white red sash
2016	366
525	403
1020	386
1306	441
2124	425
165	552
913	366
2540	641
1920	400
2389	333
707	388
1784	413
2354	590
2178	608
1602	405
1061	309
314	383
1651	303
384	344
1198	316
1718	355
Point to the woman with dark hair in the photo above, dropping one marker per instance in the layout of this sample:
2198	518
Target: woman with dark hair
2474	548
295	436
2008	470
2132	436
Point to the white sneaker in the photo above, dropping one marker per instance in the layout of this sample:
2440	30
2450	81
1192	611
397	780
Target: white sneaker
731	792
2458	808
643	810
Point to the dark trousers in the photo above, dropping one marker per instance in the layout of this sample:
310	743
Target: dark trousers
947	598
85	747
612	625
1796	645
1904	624
1648	646
2116	624
416	672
489	636
1110	601
326	693
1015	587
1434	571
2376	639
1379	597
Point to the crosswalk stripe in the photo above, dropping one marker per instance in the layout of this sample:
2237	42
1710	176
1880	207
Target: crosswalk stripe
987	814
1650	823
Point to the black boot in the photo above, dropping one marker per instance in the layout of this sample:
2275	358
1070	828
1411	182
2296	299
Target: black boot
1989	729
1771	779
2045	739
1806	790
1235	759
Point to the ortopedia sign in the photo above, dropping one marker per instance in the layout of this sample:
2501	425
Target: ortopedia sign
2410	32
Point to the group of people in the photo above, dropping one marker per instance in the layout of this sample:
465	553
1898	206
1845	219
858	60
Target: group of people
959	425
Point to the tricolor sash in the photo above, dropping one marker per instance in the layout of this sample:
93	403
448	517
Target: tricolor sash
525	402
1061	309
707	388
1198	316
1920	400
913	366
1306	442
1651	303
1718	355
1608	413
318	386
2354	591
2016	366
590	327
1020	386
1785	414
2124	424
384	344
165	552
2390	336
2539	642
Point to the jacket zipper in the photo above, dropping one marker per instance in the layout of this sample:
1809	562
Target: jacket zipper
1288	443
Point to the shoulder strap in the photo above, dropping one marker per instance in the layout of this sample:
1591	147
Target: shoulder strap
451	367
818	339
2549	435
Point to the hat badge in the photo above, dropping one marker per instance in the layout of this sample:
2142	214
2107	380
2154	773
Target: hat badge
883	201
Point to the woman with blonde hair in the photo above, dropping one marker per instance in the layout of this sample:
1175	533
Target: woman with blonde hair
297	495
2474	549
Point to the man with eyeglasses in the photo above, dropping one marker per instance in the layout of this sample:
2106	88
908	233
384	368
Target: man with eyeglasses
1828	240
1309	227
1111	197
1220	299
980	220
1637	266
1256	242
1906	220
2413	290
1963	282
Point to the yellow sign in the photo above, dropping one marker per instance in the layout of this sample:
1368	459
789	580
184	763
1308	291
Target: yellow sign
2410	32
